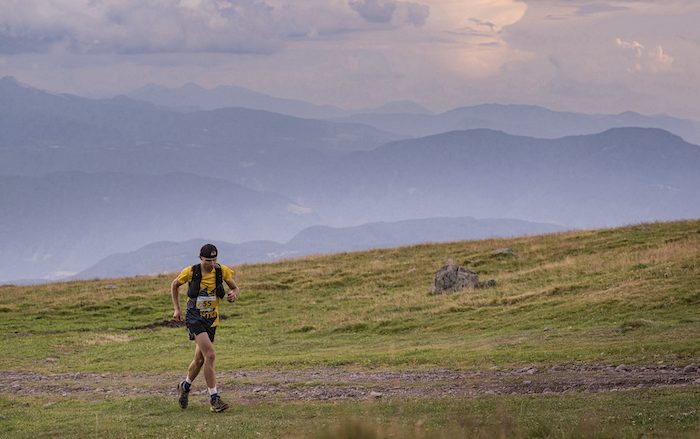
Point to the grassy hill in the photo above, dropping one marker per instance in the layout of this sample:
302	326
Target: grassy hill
622	295
628	295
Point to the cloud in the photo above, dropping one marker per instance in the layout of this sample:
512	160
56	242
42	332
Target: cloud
655	61
661	61
375	11
138	26
412	13
189	26
388	11
634	45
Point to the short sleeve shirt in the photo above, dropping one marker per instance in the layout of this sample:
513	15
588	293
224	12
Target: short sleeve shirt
208	279
205	307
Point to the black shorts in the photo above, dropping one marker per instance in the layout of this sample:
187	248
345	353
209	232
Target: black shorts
196	328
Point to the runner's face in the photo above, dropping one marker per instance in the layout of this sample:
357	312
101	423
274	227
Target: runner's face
208	264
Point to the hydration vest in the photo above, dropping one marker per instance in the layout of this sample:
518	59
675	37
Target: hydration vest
193	290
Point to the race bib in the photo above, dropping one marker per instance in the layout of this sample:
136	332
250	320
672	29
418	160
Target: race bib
205	303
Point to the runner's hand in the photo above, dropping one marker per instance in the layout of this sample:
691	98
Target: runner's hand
177	316
231	296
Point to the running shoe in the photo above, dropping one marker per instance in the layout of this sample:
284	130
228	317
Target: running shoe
217	405
184	395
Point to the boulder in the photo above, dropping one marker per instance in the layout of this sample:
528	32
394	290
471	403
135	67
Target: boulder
451	278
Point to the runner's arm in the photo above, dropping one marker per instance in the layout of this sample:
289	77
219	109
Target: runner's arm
233	294
175	296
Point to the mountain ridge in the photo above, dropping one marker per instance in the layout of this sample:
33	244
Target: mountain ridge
519	119
75	217
34	118
315	172
161	257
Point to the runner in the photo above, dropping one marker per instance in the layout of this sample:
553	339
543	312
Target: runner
205	290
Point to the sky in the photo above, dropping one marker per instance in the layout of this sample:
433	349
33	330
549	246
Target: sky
604	56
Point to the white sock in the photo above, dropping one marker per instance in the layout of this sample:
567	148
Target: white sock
187	384
212	391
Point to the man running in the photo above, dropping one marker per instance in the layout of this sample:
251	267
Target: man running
205	290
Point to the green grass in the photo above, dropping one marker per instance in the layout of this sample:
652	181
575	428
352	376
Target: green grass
622	415
629	295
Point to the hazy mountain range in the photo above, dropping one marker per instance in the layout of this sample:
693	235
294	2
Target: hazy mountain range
410	119
161	257
525	120
82	179
42	132
64	222
619	176
192	97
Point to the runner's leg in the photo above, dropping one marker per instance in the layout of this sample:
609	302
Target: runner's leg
196	364
206	348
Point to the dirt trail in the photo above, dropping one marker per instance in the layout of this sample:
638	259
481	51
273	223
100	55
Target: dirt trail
331	384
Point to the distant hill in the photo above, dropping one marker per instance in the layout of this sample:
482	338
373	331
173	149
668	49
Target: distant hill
42	132
393	107
325	239
525	120
170	256
192	97
621	176
100	170
407	118
163	257
61	223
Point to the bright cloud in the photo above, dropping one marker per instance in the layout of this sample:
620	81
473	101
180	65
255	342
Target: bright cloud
472	34
457	15
661	61
655	60
637	47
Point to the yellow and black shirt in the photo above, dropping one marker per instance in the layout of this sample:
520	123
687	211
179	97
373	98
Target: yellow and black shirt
205	307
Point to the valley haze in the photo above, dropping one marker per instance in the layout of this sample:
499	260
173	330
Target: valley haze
107	177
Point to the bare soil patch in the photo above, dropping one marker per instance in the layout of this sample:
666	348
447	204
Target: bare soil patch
335	384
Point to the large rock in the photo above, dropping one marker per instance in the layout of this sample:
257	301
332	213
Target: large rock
451	278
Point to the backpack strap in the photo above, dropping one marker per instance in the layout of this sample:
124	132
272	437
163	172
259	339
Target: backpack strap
219	282
193	290
195	283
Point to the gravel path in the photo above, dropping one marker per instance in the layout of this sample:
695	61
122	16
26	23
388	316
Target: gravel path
335	384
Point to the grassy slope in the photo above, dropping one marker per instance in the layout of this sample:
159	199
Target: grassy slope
622	295
608	296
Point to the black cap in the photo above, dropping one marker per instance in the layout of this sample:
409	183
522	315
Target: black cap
208	251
